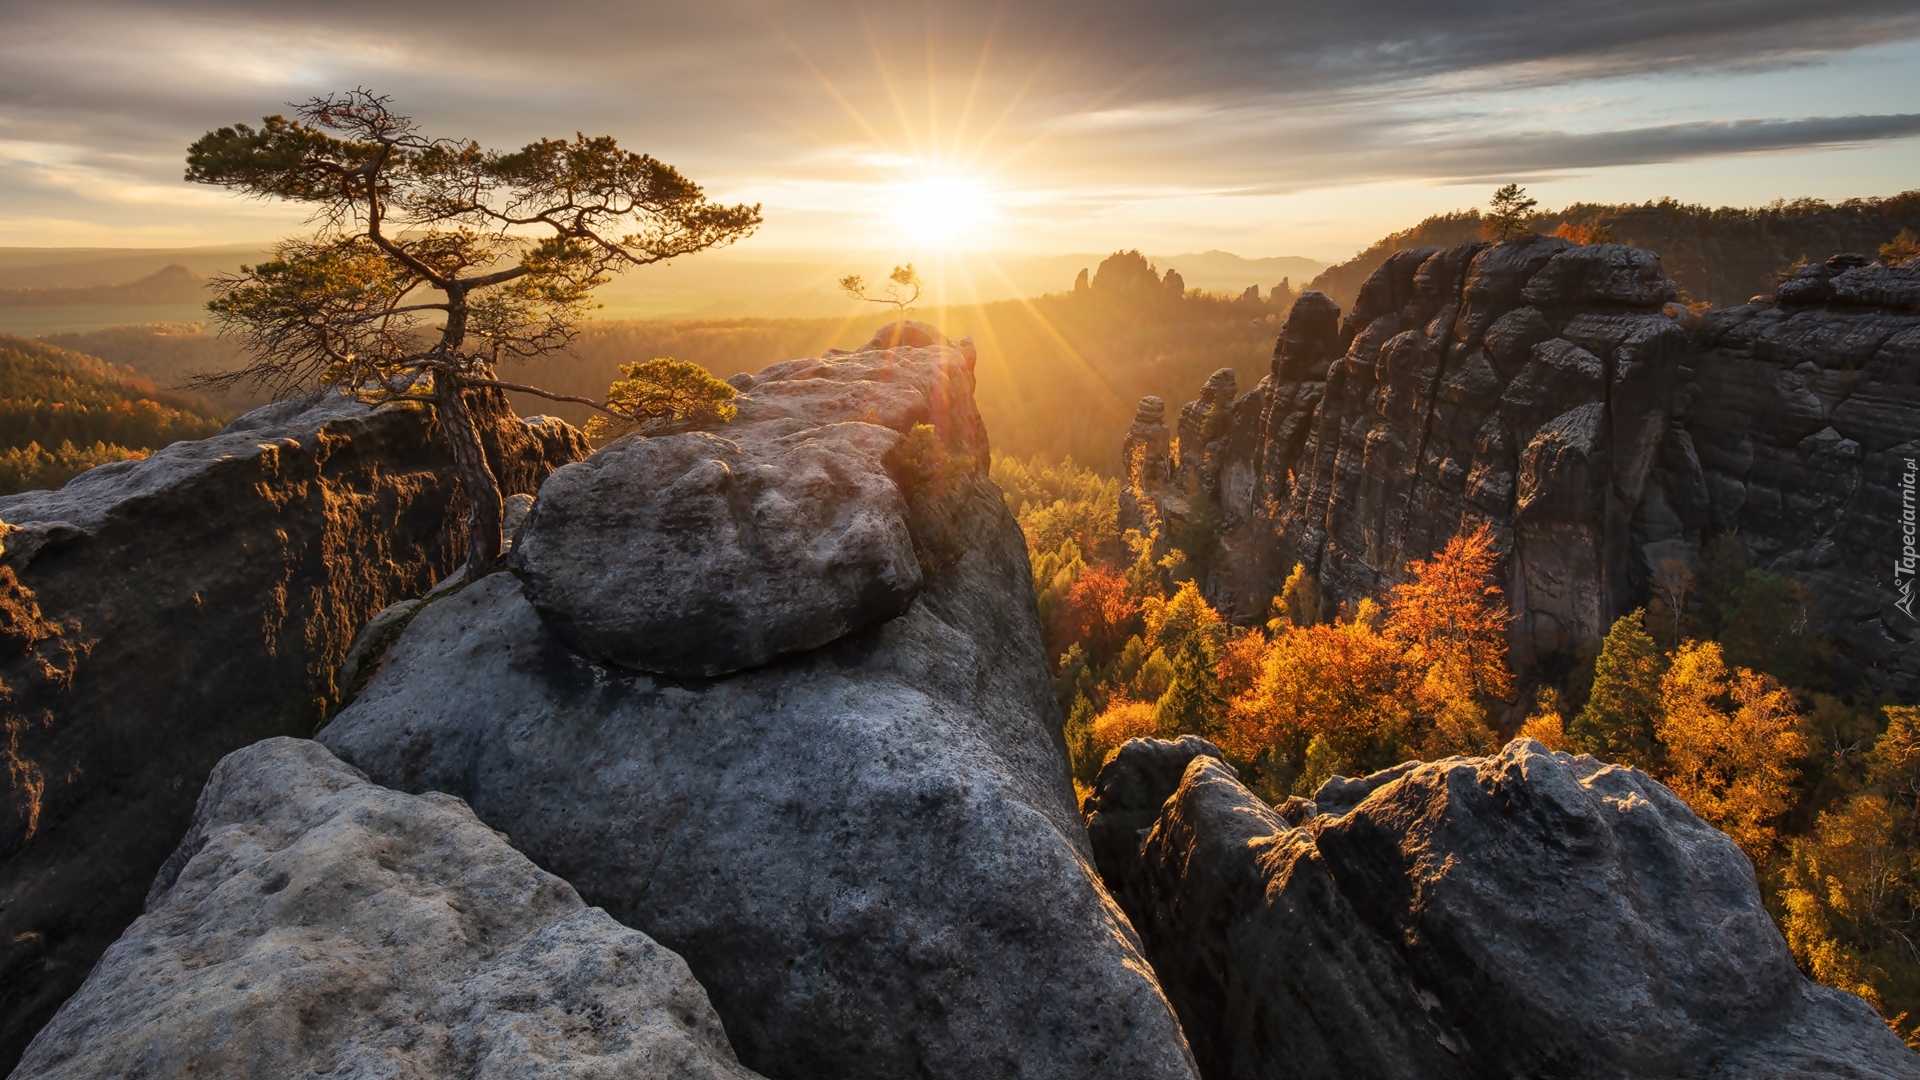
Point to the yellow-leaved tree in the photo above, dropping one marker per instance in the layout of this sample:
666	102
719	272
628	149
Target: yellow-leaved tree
1729	740
1847	884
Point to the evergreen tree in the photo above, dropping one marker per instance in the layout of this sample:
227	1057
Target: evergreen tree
1509	212
1766	623
1623	708
1193	704
437	260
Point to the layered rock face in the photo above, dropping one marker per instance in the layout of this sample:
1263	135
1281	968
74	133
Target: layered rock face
312	924
155	615
1523	914
1538	388
840	792
1799	432
1521	385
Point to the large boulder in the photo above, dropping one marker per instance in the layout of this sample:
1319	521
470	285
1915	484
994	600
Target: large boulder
695	555
867	850
1528	913
161	613
313	924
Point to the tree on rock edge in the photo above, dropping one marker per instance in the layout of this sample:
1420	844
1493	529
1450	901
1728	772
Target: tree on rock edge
435	260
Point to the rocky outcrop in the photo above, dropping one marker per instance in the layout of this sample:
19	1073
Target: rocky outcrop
1203	433
1148	496
1520	385
312	924
1798	433
863	842
693	555
1546	391
161	613
1524	914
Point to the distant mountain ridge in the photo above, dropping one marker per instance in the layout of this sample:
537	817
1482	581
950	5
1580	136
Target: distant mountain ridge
172	284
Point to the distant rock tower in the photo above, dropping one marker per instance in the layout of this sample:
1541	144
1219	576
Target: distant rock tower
1147	458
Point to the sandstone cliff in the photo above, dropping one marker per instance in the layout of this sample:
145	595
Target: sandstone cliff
156	615
774	694
1540	388
1523	914
1797	430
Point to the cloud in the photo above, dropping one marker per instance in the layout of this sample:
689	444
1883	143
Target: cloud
1525	153
1122	100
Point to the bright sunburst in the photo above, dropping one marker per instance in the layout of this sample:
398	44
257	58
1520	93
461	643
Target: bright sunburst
940	211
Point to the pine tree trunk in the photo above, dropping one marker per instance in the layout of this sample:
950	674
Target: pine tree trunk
477	481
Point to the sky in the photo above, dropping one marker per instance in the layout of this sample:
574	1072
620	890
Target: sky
1263	127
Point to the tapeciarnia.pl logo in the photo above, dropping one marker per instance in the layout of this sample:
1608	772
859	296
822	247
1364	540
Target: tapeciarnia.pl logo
1905	565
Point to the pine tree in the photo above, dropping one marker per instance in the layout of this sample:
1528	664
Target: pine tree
1509	213
1193	704
1623	708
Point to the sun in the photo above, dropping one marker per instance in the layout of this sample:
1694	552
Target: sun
941	211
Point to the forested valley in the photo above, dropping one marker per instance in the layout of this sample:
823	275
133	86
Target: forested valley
1716	689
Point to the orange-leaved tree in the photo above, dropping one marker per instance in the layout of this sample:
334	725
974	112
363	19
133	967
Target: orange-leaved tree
1339	682
1450	624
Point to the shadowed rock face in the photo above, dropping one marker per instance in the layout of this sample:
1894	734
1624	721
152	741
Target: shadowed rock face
1797	433
312	923
1468	385
1523	914
162	613
1537	387
867	851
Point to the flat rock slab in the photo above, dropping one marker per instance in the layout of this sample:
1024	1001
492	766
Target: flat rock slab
312	923
1523	914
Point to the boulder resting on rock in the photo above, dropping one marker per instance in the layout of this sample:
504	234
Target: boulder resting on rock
867	850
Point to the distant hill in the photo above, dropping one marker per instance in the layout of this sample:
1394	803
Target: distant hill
166	354
174	284
63	412
25	267
1722	255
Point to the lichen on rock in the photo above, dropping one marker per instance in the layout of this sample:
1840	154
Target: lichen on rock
312	923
